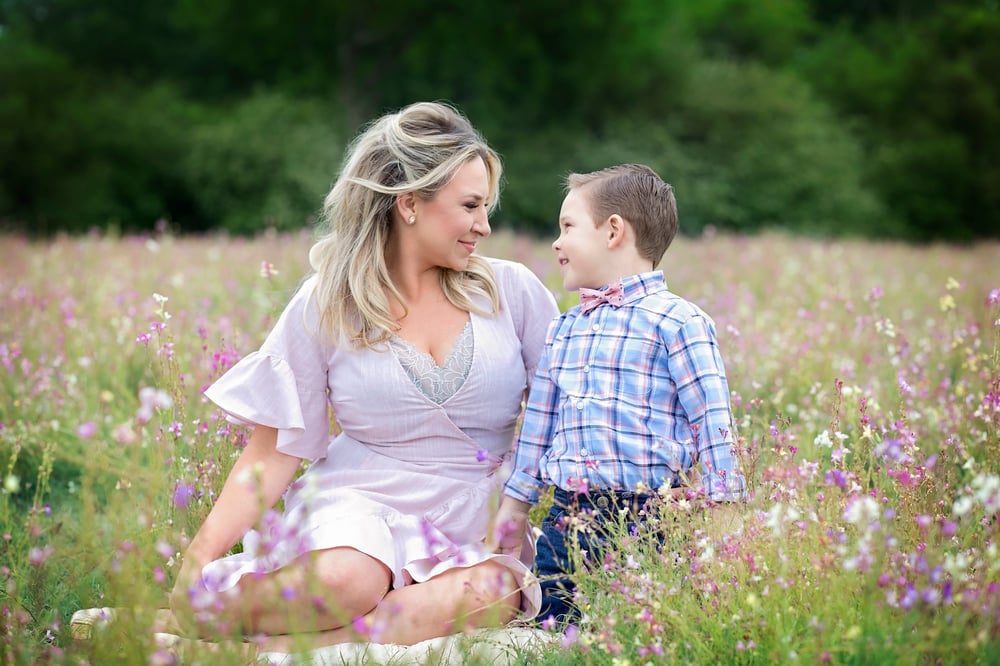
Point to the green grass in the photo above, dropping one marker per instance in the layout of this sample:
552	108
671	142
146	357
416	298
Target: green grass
880	547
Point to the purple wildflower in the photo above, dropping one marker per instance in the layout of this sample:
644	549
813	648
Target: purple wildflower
836	477
183	492
570	636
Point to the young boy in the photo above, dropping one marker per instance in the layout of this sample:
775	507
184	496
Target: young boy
630	396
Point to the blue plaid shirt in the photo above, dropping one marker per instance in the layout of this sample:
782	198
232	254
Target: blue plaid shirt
628	395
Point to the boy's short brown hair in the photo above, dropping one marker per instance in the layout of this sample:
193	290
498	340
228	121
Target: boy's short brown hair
637	194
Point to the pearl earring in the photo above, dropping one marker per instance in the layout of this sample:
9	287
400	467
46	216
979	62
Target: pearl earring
412	219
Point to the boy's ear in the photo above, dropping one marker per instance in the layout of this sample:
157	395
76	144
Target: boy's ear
616	231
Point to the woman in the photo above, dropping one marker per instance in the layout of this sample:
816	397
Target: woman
424	351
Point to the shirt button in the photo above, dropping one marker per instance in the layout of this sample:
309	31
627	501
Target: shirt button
595	328
586	368
584	453
579	404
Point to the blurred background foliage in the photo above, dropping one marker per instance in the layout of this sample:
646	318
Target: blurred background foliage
875	118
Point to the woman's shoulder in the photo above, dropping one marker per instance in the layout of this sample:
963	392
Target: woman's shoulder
301	306
510	273
305	288
500	265
308	282
522	291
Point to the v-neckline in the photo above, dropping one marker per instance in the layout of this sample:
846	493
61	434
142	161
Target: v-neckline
430	379
451	352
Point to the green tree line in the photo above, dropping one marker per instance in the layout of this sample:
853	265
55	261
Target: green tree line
874	118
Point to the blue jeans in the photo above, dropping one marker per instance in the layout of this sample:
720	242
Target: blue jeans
552	562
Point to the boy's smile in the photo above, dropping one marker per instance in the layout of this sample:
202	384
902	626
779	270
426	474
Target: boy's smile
582	246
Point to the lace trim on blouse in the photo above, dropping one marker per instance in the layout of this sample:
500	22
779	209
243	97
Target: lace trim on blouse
436	382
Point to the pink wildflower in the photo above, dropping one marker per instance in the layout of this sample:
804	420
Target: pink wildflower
163	658
267	270
86	430
360	626
165	550
38	556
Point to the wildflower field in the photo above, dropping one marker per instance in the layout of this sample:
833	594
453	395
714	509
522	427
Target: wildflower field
866	393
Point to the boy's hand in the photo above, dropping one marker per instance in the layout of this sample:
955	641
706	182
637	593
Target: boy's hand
506	535
725	518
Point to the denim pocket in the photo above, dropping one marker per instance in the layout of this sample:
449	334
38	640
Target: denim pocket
553	519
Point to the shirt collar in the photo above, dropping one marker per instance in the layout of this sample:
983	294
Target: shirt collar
636	286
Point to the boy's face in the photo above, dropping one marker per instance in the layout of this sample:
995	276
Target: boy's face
582	246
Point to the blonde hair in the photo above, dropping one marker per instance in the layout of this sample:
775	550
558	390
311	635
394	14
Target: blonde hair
415	150
639	195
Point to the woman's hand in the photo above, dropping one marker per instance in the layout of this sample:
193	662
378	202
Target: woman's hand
189	591
256	481
509	526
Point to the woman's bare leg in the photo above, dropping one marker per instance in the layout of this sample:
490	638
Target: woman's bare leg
325	591
483	595
321	591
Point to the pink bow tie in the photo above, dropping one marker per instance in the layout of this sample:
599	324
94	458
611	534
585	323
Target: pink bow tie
591	298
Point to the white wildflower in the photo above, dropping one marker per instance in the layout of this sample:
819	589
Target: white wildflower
962	505
862	510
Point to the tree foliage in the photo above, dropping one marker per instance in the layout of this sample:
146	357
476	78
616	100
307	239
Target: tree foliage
818	116
927	99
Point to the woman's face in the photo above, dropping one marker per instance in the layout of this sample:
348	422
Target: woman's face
450	224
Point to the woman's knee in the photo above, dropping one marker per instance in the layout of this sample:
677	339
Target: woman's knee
315	593
350	576
493	583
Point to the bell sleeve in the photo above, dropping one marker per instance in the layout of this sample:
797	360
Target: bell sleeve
283	385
